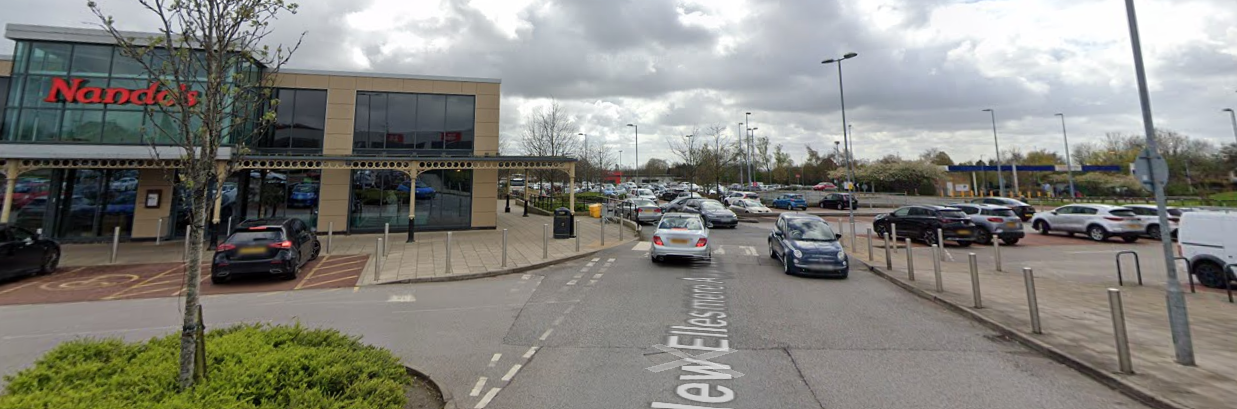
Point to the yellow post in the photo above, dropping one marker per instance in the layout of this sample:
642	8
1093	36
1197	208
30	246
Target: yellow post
10	184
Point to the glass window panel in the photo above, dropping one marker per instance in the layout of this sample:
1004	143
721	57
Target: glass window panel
402	121
91	60
360	123
431	120
82	126
49	58
282	135
309	119
21	56
4	98
39	125
123	66
444	199
459	122
377	121
162	127
123	126
379	197
34	90
10	129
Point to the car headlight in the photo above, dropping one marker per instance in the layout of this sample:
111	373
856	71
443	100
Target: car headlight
798	254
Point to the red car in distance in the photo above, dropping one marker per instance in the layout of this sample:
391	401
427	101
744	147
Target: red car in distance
825	186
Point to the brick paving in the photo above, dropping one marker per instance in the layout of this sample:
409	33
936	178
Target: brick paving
1076	319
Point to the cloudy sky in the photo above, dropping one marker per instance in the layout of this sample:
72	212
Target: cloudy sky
925	70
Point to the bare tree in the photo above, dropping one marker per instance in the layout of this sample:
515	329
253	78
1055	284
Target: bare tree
207	60
550	132
687	149
716	152
764	157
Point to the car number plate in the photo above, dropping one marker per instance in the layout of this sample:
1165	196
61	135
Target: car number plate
1133	225
252	250
1011	224
964	232
678	241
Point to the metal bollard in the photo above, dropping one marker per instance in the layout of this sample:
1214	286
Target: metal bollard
996	251
1118	329
869	244
888	257
910	261
115	243
940	239
386	239
159	232
448	252
936	268
893	234
188	232
377	259
576	228
504	247
620	228
330	236
545	241
979	299
229	225
603	228
1028	277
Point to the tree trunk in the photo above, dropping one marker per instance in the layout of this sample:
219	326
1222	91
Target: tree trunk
193	274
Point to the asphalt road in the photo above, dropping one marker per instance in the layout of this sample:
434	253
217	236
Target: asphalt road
583	335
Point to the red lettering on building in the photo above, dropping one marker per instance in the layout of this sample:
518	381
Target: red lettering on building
73	92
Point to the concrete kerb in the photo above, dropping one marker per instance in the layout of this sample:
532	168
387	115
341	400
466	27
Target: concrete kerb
445	395
513	270
1104	377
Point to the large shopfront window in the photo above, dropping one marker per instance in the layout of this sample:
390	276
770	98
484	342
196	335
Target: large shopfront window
278	193
85	93
4	98
76	203
300	121
444	200
403	123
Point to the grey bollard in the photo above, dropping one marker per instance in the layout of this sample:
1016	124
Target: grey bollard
386	239
545	241
888	256
576	228
996	252
229	226
603	227
1118	329
330	236
448	252
1028	277
869	244
893	234
159	232
115	243
620	227
936	268
940	239
377	259
504	247
979	299
910	261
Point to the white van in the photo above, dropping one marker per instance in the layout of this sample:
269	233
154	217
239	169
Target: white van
1208	243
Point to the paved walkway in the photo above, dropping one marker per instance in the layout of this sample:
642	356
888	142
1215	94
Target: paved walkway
1076	319
472	252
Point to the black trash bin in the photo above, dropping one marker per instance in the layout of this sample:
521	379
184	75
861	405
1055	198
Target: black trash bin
562	223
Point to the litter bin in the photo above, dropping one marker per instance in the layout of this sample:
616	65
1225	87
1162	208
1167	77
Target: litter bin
594	210
562	223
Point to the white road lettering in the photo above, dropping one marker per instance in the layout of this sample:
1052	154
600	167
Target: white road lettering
707	331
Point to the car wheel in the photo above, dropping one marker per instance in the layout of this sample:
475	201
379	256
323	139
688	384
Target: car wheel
50	261
786	266
928	237
1097	233
822	205
1129	239
983	236
880	229
708	224
1010	242
772	254
296	269
1209	274
317	250
840	206
655	259
963	243
1153	231
1042	226
217	280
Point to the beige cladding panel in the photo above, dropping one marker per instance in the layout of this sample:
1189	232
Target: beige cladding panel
339	81
468	88
448	87
487	102
333	205
313	81
341	96
487	130
484	198
386	85
6	68
424	86
341	111
485	145
487	88
488	115
146	220
285	80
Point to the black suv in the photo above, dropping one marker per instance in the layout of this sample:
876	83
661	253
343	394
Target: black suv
921	222
23	252
275	246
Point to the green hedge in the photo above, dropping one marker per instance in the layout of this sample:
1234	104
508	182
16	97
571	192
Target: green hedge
249	366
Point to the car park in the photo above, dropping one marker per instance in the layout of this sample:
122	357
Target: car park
681	235
1208	245
715	214
24	252
992	221
807	245
747	206
1099	222
1150	215
1022	209
839	201
921	223
639	210
790	201
275	246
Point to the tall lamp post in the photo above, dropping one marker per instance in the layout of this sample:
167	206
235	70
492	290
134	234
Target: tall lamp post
691	157
619	167
637	169
751	157
850	173
1069	165
1178	317
1232	116
1000	178
586	153
740	136
747	118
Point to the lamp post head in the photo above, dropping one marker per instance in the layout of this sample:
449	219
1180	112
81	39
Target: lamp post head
749	113
829	61
1226	110
631	125
1058	114
850	55
988	110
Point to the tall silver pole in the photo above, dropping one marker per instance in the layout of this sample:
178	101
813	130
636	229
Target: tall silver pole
1000	178
1069	164
504	247
910	261
377	258
1178	317
888	257
996	252
978	298
115	243
1233	115
846	140
893	234
448	270
330	236
159	232
386	239
869	244
576	229
545	241
936	268
1118	330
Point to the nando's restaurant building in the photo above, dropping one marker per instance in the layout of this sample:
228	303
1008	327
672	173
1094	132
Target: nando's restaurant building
353	152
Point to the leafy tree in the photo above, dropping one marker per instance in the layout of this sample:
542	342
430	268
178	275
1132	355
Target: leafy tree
936	157
783	164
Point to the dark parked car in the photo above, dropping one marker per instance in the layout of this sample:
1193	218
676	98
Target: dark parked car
274	246
24	252
1020	208
921	223
714	212
839	201
806	244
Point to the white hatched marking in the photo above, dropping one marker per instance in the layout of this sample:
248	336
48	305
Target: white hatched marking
402	298
476	389
642	246
513	290
577	276
495	359
590	264
598	275
511	372
569	308
591	282
558	320
611	260
526	276
531	351
572	282
485	400
597	259
720	250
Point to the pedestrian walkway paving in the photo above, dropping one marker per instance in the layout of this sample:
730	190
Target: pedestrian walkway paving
472	252
1076	319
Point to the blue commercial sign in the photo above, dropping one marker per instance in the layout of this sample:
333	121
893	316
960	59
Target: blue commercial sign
1032	168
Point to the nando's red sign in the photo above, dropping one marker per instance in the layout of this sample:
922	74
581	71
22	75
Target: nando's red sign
73	91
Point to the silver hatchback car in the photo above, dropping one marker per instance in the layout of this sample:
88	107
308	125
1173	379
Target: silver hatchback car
1097	221
993	221
681	235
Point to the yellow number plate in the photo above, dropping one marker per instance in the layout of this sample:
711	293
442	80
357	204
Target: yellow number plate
678	241
1011	224
964	232
252	250
1133	225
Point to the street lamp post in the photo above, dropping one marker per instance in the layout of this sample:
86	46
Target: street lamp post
751	178
1069	166
850	174
586	153
619	167
691	157
1000	178
637	169
1232	116
740	137
751	147
1178	317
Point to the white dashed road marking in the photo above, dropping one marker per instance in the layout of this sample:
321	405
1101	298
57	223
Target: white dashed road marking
495	359
511	372
402	298
720	250
591	282
558	320
598	275
572	282
546	334
531	351
476	389
485	400
569	308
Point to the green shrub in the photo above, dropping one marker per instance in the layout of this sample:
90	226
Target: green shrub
248	366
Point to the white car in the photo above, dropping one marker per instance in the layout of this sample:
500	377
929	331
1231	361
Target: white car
1097	221
1151	217
681	235
1208	244
748	206
734	196
645	194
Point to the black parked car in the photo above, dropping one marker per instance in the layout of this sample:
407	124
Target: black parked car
715	213
23	252
274	246
921	223
1020	208
839	201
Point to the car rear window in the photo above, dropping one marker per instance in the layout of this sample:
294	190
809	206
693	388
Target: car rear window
999	212
641	203
1174	212
712	206
680	223
256	236
952	214
1122	212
